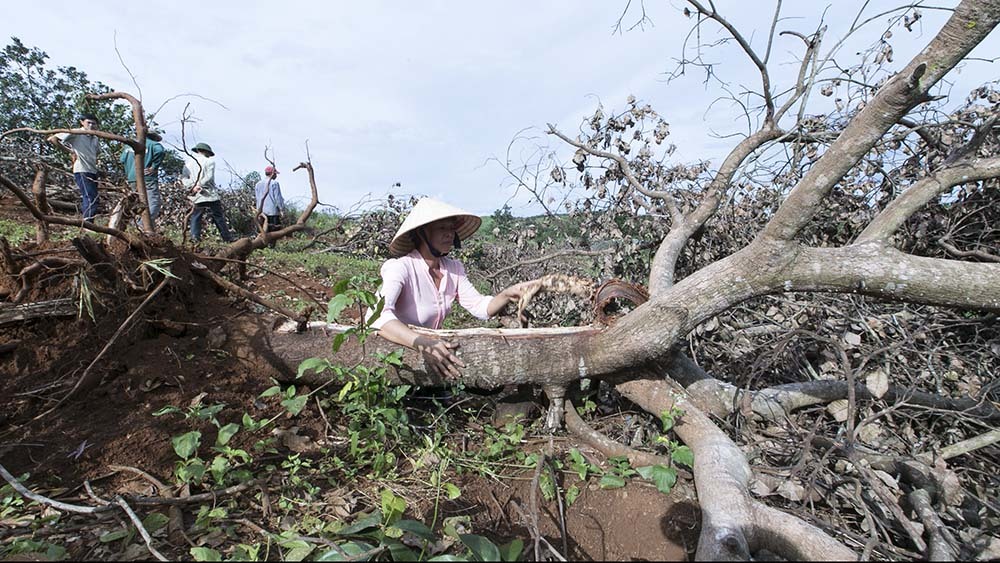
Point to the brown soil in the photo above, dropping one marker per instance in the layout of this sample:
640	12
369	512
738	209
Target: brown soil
634	523
214	347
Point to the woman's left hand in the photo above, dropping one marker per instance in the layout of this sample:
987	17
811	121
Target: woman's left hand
514	292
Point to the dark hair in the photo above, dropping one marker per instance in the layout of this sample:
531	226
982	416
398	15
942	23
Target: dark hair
90	116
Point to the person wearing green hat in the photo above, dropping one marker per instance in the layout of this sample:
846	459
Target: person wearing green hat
199	178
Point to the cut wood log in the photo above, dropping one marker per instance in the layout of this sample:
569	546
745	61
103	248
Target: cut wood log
39	310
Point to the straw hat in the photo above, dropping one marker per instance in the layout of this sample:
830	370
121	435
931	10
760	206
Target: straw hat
427	211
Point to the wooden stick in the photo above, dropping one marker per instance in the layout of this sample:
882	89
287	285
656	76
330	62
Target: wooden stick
26	493
138	526
970	445
175	524
246	294
211	495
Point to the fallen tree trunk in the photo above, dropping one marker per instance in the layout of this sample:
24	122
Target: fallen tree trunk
494	357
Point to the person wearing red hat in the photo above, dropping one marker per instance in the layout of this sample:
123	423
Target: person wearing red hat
421	283
270	204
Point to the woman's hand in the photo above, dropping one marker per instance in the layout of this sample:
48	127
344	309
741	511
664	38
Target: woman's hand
439	357
512	294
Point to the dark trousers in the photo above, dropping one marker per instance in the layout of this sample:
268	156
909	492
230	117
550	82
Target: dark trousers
218	217
87	182
273	223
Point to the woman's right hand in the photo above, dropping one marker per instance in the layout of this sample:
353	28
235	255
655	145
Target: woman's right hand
439	356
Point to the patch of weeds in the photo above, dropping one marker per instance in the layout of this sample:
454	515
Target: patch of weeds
228	466
28	550
323	264
386	532
16	232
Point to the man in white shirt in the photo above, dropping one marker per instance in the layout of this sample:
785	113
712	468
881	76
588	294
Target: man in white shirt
84	149
199	178
270	204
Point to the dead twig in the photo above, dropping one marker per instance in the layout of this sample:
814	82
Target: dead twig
201	497
175	524
245	263
28	494
970	445
138	526
559	498
941	544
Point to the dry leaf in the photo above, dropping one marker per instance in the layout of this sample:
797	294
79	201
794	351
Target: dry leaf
877	383
852	339
764	484
870	433
792	490
950	487
886	478
838	410
760	488
291	439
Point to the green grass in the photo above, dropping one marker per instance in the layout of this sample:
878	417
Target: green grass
327	264
15	232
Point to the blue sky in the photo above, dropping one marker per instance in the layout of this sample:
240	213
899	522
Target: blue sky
425	93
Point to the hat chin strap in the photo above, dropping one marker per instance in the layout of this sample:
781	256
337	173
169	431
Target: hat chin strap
434	251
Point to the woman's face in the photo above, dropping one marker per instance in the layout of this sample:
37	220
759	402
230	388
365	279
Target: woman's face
441	234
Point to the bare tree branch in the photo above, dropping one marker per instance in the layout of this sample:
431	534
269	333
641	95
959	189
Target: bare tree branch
924	191
964	30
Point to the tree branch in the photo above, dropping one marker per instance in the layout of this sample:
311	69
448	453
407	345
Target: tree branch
663	268
925	190
888	273
745	45
968	25
132	241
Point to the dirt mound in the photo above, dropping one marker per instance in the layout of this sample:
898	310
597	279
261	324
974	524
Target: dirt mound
168	359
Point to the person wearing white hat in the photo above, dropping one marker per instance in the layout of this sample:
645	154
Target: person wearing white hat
421	283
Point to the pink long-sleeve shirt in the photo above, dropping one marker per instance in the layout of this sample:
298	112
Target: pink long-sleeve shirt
410	295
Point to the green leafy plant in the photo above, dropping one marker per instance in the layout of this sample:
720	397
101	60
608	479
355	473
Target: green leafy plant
377	422
679	453
353	292
386	531
161	265
229	465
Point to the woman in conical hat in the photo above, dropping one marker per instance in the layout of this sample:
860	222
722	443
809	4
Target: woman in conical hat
421	282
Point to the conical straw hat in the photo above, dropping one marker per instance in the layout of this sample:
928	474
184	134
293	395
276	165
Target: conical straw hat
427	211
